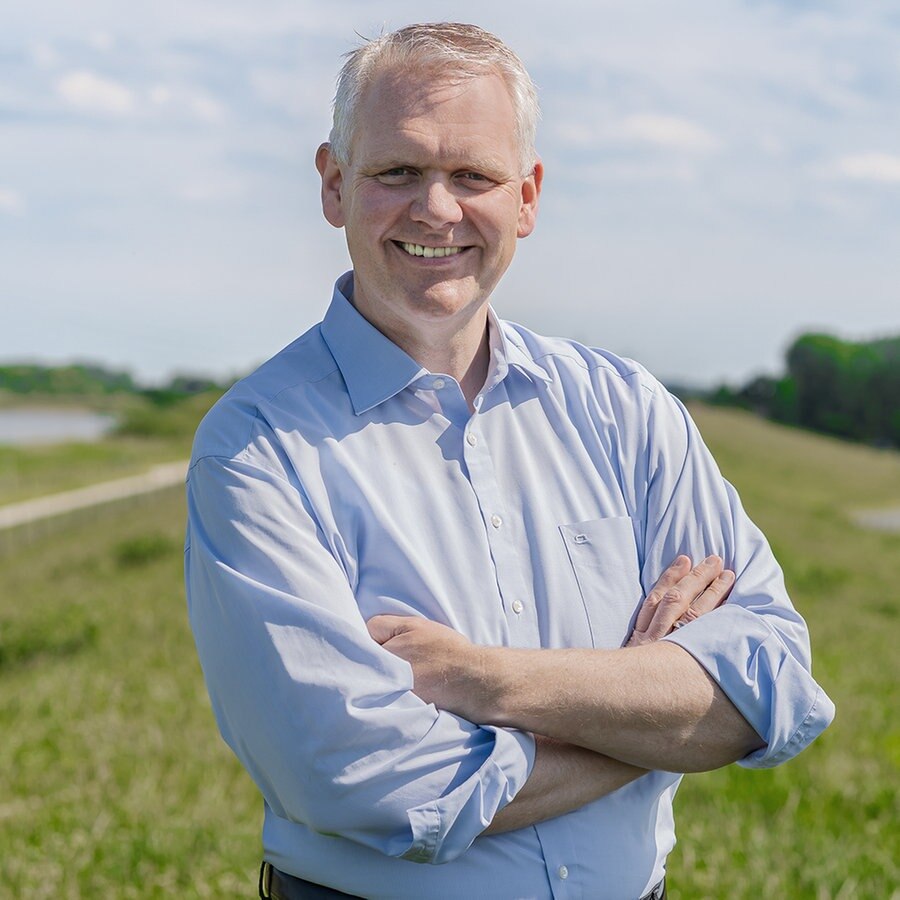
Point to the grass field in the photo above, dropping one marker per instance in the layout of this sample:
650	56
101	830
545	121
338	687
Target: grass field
113	781
148	435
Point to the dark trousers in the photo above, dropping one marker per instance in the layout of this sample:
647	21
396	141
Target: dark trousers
281	886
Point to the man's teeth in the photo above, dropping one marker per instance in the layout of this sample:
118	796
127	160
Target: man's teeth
429	252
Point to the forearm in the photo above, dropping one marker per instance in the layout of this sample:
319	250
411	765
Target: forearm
652	706
564	777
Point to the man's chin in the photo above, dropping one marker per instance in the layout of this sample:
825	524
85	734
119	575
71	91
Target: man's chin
448	298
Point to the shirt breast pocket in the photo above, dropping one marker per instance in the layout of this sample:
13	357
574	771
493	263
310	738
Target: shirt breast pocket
604	558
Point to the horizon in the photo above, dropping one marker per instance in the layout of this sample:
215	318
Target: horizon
225	380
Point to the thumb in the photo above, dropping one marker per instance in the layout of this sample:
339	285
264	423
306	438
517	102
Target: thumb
383	628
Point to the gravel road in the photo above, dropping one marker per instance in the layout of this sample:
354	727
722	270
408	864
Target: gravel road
27	511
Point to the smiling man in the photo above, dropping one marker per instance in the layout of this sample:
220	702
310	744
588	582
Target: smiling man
438	566
433	193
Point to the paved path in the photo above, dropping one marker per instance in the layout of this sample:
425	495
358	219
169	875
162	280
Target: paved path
155	479
170	474
880	519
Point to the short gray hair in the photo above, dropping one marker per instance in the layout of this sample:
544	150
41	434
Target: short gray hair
449	49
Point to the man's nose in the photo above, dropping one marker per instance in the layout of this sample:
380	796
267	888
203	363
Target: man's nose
436	205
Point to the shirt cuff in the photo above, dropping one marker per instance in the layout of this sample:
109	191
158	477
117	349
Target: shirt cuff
770	687
444	829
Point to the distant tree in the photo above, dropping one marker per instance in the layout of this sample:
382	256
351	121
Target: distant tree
90	379
845	388
78	379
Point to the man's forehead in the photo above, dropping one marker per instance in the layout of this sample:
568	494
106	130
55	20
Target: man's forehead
406	114
408	93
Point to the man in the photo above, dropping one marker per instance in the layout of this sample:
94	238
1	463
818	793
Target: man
503	512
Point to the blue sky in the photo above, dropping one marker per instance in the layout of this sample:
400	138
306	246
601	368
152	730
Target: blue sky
721	176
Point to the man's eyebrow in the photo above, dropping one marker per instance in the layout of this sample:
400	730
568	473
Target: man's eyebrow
485	164
488	165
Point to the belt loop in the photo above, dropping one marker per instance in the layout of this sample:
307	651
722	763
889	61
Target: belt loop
265	880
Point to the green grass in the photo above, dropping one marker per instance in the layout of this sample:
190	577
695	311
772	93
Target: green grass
113	781
147	435
825	824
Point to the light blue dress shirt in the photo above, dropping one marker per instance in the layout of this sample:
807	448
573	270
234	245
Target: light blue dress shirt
341	480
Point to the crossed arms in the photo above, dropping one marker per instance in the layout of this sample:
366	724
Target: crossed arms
603	717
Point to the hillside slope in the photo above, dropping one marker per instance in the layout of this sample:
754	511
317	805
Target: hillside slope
113	781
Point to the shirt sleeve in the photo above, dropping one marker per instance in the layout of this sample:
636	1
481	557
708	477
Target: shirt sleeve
755	646
322	717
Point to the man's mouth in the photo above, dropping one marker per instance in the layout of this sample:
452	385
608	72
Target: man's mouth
428	252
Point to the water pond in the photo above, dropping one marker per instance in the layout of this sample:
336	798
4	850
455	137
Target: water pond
44	425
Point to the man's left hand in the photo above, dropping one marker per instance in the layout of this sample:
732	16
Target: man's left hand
446	666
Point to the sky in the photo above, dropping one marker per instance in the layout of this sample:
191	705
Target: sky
721	176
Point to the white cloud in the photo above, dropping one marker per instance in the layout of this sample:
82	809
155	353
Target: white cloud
213	189
669	132
102	40
11	201
160	95
771	145
679	136
196	103
635	171
879	167
204	107
43	54
93	93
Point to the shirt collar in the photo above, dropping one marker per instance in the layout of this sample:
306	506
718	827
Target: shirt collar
506	351
374	368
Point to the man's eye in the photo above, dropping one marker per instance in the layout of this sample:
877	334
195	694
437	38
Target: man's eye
475	179
397	175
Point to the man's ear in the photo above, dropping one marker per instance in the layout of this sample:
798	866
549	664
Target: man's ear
332	183
531	192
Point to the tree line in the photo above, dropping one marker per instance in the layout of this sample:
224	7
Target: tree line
91	380
844	388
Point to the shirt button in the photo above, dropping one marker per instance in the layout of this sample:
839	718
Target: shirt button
496	521
563	872
517	608
438	383
471	440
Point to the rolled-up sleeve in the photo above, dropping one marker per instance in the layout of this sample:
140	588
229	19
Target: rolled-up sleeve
323	718
756	646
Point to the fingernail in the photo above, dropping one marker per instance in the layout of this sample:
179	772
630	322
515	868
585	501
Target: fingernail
711	559
727	576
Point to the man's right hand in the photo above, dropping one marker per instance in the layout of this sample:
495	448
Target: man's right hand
681	595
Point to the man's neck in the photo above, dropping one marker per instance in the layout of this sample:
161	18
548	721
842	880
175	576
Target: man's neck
459	348
464	355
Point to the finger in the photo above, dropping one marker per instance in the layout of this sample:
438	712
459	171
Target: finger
383	628
699	579
714	596
668	579
678	599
